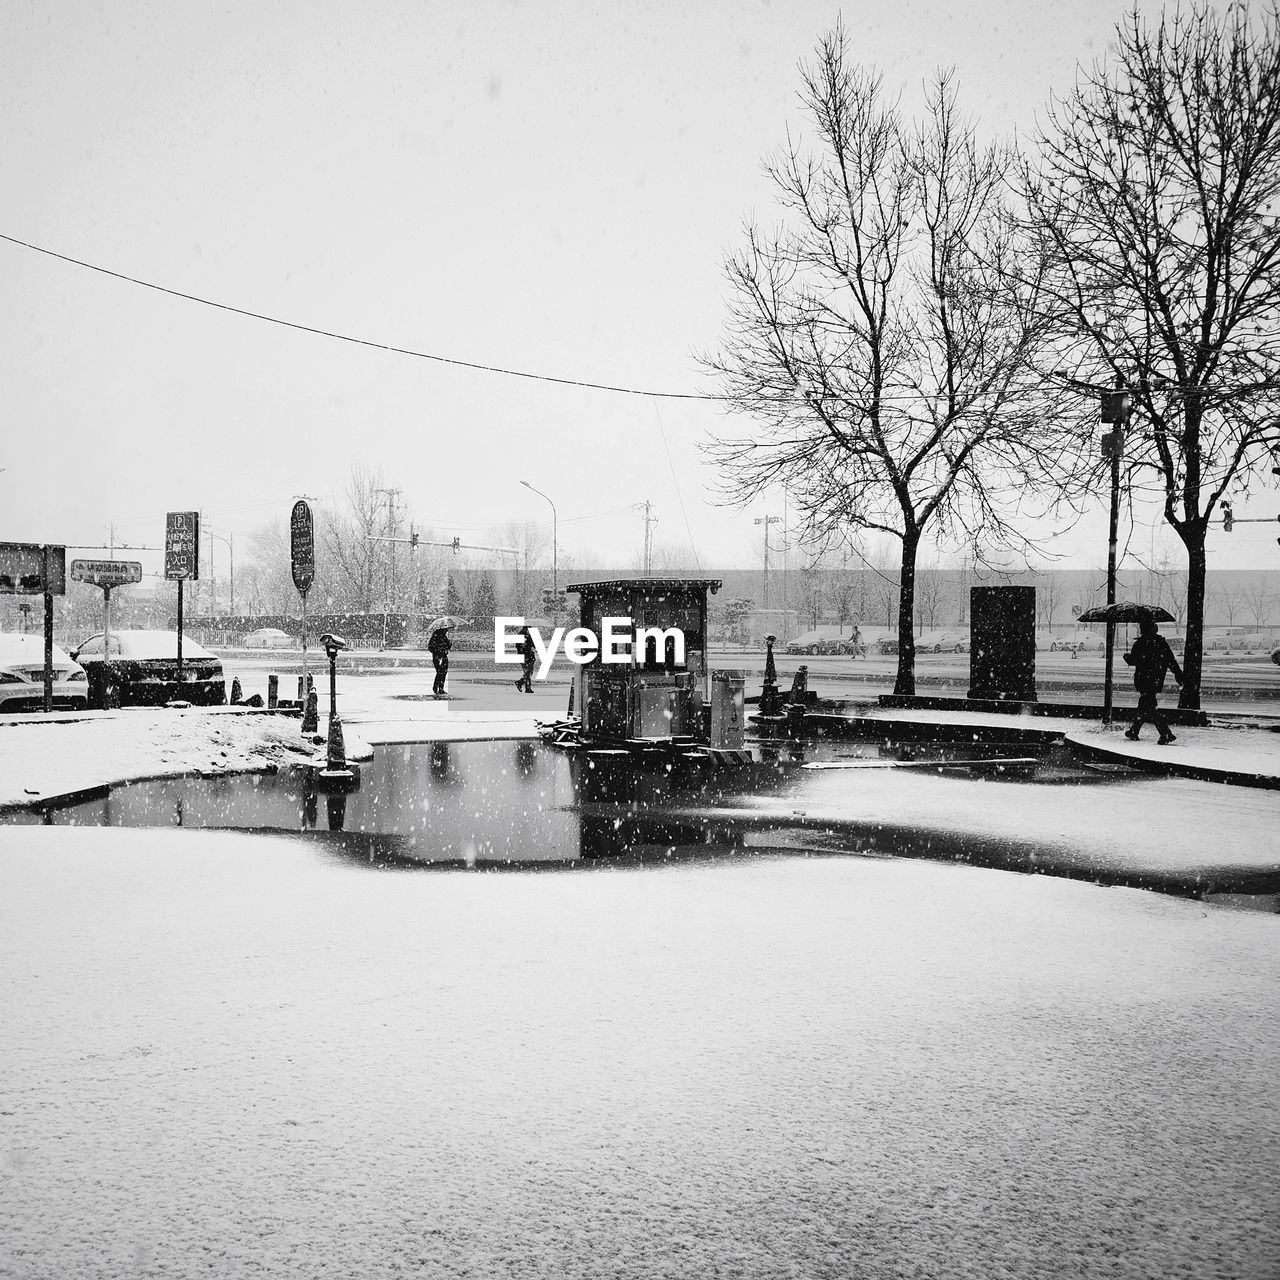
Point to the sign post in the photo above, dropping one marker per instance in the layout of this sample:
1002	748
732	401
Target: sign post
106	574
181	557
302	563
36	569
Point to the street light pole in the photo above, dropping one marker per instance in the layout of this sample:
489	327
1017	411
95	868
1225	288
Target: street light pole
213	584
1116	407
555	576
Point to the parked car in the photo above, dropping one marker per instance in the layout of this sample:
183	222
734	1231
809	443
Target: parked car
268	638
143	670
22	675
1238	640
814	642
886	645
1275	657
942	642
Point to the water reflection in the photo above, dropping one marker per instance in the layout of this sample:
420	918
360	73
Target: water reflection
523	804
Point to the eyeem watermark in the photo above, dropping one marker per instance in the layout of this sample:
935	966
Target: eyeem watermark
619	642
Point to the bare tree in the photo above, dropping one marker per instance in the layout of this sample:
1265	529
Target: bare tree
357	560
1157	192
812	594
1228	597
878	340
1051	595
1257	595
933	593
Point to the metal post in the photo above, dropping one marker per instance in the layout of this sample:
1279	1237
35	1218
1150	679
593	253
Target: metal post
106	635
1117	412
1109	662
180	582
306	684
48	637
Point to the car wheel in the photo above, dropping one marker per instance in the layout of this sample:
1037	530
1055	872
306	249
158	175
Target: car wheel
937	648
959	648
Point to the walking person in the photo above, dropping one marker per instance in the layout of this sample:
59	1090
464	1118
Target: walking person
438	647
1150	658
527	659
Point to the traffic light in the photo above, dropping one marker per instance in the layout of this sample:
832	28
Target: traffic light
1226	517
413	537
457	545
1116	406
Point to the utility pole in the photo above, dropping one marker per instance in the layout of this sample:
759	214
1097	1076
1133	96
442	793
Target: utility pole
649	522
766	521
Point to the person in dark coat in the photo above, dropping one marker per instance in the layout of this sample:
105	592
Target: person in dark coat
528	657
438	647
1150	658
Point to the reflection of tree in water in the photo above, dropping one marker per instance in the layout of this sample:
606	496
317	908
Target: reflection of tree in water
526	759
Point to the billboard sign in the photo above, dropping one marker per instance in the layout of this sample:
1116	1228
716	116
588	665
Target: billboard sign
22	569
302	546
106	573
182	545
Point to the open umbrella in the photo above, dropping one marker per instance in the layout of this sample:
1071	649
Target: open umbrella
1126	611
449	620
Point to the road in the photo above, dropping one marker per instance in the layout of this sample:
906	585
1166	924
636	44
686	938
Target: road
1230	683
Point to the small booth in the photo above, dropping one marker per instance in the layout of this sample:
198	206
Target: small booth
658	694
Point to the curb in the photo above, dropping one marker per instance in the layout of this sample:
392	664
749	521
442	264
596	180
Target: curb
1174	768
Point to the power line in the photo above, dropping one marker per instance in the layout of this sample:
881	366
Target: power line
360	342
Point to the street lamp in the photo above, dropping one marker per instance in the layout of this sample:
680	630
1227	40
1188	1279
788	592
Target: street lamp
213	582
555	577
1116	407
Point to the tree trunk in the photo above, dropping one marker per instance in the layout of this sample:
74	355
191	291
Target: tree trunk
1193	656
905	684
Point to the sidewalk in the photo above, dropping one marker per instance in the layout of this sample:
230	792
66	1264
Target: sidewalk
1241	750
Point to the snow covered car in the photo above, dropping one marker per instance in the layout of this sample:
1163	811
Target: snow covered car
943	642
143	670
815	642
268	638
22	676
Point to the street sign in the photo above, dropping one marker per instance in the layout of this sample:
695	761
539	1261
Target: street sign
182	545
302	546
22	569
106	573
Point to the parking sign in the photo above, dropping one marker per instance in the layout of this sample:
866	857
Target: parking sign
182	545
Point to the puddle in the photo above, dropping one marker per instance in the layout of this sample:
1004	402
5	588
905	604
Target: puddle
521	802
524	805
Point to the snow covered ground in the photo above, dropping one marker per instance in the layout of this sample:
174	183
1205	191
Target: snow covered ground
228	1055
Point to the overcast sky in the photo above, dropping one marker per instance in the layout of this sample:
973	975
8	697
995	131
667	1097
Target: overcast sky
544	187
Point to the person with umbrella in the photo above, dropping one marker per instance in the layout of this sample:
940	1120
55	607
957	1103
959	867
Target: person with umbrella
438	647
1150	658
528	657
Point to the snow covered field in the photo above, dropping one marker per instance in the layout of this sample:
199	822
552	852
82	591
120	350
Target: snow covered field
228	1055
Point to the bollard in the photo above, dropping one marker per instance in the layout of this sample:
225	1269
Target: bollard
311	711
237	693
273	691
